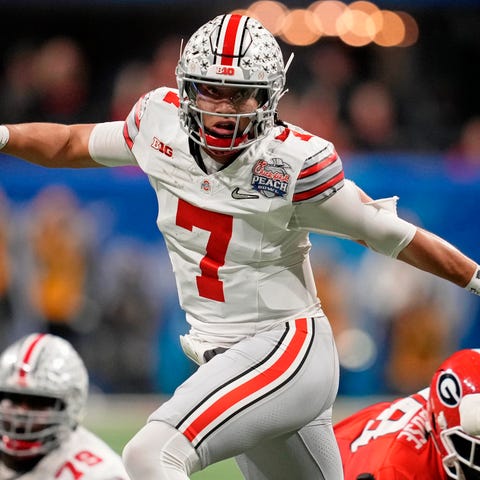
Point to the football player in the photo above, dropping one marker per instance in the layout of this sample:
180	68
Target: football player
238	192
43	392
433	434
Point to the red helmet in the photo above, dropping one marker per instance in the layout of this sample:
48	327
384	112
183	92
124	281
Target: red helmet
457	378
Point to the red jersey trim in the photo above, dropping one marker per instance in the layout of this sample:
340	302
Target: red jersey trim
313	192
284	135
306	172
126	136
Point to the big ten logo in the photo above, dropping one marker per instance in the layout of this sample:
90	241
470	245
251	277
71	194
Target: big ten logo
162	147
230	71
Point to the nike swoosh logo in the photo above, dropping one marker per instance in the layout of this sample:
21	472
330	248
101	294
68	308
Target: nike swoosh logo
242	196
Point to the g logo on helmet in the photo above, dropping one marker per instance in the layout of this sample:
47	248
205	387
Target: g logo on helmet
449	389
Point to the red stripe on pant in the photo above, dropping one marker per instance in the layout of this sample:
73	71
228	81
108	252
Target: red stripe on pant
281	365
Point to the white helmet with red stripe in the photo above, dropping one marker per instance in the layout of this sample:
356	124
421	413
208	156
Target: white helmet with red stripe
43	393
235	51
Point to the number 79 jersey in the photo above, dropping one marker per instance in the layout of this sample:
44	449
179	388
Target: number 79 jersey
239	268
82	456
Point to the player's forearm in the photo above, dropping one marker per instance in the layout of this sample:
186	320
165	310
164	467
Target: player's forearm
50	144
432	254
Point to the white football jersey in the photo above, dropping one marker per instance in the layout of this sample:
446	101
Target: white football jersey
83	456
238	267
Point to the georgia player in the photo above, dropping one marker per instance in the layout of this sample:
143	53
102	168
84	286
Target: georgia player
430	435
43	392
238	193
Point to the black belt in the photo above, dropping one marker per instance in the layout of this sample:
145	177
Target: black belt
209	354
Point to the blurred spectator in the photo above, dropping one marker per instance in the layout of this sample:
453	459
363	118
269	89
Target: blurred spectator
331	281
164	62
137	77
17	94
372	117
128	294
414	318
6	272
462	160
60	238
419	337
131	82
332	68
319	113
62	88
467	147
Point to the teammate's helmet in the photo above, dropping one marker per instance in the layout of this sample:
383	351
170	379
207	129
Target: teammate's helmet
235	51
43	393
457	378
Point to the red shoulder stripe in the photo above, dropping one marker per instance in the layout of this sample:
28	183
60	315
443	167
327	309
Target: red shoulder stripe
313	192
306	172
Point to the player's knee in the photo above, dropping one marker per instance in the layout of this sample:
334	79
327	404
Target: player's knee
158	449
135	457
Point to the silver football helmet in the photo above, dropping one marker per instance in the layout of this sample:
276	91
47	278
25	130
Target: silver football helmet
235	51
43	394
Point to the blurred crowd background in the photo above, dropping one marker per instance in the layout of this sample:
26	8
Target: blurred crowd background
80	255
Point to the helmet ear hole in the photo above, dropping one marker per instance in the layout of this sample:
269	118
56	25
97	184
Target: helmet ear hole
262	97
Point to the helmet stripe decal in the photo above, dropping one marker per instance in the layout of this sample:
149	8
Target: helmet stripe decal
231	40
24	366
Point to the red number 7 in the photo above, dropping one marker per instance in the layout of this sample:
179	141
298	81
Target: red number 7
220	226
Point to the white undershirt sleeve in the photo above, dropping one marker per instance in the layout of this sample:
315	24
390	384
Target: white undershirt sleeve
344	215
107	145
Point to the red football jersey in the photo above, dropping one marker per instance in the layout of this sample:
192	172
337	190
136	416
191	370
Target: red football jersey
389	440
